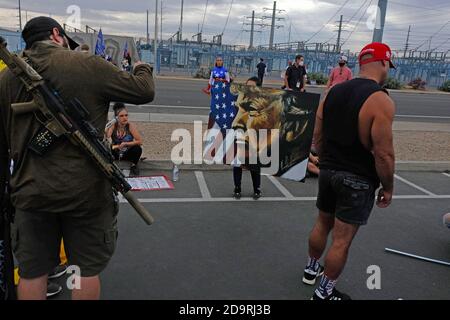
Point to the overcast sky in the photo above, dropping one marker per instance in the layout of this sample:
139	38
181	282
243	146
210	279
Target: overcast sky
303	17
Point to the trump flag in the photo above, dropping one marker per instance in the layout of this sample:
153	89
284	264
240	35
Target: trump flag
252	126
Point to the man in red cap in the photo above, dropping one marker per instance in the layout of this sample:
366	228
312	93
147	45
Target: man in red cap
353	136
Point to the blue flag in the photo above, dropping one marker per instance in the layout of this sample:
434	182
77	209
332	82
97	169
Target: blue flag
100	45
125	51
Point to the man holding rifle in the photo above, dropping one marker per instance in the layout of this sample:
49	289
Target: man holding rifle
61	193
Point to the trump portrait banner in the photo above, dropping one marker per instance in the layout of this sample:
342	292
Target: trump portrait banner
252	126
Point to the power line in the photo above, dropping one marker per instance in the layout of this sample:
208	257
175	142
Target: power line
400	14
323	26
431	37
292	24
357	11
204	16
329	40
357	24
441	45
228	17
412	6
239	34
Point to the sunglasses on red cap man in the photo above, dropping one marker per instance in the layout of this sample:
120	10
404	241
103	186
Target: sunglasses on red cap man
378	51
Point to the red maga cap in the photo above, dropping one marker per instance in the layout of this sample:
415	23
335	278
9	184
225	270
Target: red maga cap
379	52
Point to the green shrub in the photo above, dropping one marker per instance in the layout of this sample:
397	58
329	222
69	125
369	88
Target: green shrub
392	83
319	78
202	73
418	84
446	86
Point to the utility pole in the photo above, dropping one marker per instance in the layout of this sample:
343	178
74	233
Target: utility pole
160	31
20	17
379	29
407	42
338	42
148	34
272	28
180	35
289	34
252	28
155	43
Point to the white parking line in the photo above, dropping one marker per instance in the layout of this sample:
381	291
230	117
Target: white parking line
415	186
422	162
273	199
446	174
280	187
168	107
206	195
419	116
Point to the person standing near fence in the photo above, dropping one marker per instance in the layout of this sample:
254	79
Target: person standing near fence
295	78
340	74
262	69
219	73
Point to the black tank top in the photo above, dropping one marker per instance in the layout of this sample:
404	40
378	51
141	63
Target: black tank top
342	149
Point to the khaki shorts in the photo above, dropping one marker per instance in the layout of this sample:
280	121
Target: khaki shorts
90	238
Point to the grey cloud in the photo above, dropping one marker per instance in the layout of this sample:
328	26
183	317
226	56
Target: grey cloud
401	13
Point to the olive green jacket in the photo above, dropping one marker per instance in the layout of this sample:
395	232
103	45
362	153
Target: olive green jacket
65	178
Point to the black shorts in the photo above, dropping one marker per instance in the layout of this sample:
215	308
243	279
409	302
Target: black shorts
348	196
89	236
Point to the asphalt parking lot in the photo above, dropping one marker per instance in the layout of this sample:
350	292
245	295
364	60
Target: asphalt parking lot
206	245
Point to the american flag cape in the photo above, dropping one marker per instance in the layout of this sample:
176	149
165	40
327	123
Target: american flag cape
220	146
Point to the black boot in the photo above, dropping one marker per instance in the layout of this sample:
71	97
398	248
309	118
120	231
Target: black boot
237	193
257	194
134	170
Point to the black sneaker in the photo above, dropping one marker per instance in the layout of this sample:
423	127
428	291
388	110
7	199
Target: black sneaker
53	289
237	193
58	271
257	195
309	277
134	170
335	295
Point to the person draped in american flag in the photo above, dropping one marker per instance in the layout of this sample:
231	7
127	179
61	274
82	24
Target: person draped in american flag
219	73
222	113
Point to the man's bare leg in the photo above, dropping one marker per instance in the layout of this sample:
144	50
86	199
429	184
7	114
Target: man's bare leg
343	234
319	234
32	289
90	289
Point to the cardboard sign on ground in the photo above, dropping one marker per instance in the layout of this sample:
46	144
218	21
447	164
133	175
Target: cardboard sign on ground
151	183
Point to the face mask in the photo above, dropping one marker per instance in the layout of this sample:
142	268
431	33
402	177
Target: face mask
341	64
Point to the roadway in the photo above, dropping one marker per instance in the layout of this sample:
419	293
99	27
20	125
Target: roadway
175	96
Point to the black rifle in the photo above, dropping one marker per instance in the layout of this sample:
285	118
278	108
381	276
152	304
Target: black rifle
66	120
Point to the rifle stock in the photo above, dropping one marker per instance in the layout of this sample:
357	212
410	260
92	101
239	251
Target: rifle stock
24	107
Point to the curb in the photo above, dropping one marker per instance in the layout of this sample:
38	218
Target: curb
151	117
418	166
275	82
